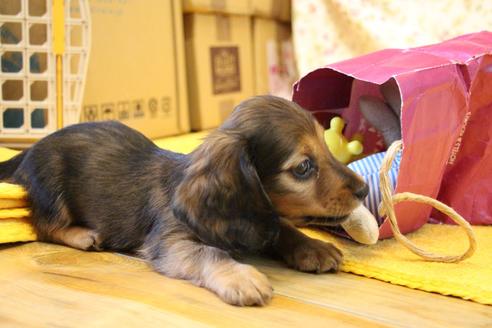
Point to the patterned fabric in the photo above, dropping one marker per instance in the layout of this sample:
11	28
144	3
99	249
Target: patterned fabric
327	31
368	169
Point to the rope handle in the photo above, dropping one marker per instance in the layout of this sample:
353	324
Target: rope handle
387	209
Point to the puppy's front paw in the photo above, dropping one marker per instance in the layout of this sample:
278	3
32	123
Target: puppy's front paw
315	256
243	285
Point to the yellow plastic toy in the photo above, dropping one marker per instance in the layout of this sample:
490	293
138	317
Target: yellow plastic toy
339	146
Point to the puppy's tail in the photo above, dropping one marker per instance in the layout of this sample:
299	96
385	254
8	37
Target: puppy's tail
8	168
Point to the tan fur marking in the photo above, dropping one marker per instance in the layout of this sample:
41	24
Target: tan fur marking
76	237
320	131
323	195
214	269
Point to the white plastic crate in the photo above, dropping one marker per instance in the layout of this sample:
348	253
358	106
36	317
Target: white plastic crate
44	52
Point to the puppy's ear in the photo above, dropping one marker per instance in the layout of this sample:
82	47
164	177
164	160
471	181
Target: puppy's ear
221	197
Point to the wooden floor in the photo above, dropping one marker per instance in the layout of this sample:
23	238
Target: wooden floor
45	285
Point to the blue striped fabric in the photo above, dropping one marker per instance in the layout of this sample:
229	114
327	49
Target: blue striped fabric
368	169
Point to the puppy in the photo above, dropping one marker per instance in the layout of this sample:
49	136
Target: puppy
104	186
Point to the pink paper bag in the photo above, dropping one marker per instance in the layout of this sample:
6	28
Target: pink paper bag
446	120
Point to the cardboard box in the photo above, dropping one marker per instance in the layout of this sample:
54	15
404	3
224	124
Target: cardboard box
136	70
237	7
219	66
274	64
273	9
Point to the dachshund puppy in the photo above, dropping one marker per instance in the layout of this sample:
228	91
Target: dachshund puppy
104	186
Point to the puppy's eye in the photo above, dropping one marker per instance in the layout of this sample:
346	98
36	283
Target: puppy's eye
304	169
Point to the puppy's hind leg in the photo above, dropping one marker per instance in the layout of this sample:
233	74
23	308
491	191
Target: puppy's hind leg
77	237
235	283
54	223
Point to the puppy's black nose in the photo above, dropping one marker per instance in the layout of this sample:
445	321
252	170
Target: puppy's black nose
362	191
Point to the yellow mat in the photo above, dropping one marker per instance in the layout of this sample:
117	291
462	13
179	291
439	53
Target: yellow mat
387	260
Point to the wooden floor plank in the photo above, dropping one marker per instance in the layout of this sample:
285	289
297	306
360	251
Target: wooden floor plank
58	286
376	300
55	286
